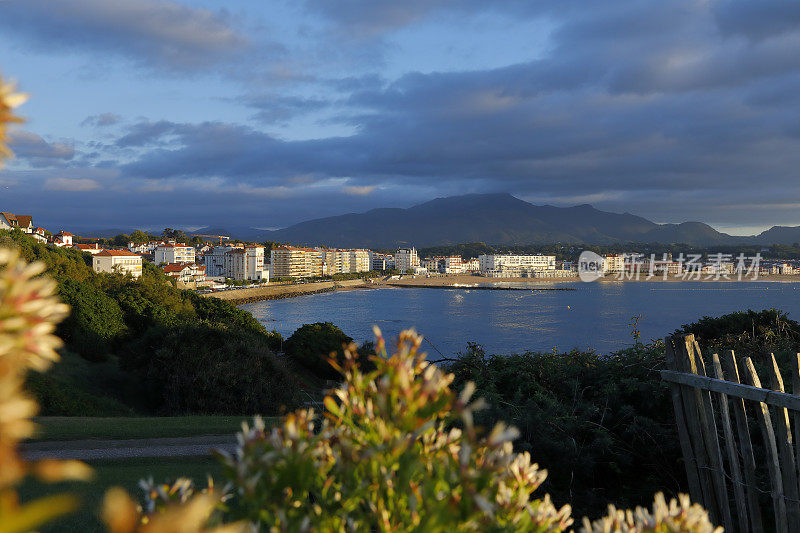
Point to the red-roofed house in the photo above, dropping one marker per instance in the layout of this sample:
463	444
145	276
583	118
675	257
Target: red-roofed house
62	238
118	262
9	221
186	273
91	248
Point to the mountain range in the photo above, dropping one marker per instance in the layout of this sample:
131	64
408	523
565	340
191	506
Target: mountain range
493	219
504	219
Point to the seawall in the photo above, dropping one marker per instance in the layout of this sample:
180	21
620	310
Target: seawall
276	292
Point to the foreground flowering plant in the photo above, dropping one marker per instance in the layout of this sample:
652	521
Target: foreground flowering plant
396	450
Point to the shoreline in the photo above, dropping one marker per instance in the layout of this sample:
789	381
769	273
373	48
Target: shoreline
462	281
453	282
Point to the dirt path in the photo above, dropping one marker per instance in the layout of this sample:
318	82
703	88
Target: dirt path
87	450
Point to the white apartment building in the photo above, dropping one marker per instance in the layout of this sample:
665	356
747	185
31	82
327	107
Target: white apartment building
359	260
174	253
613	263
215	261
295	262
406	259
255	269
451	264
473	265
514	266
118	261
336	261
236	262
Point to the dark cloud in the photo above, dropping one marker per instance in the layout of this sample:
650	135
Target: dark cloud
638	103
38	152
672	110
280	109
158	33
757	20
102	120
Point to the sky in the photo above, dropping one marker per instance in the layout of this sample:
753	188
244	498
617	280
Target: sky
159	113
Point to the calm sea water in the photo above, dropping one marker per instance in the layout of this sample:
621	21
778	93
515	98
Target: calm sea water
595	315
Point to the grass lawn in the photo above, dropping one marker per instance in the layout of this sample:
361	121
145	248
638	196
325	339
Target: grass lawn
74	428
125	473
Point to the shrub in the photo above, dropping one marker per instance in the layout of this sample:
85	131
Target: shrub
209	369
756	333
57	398
95	322
311	344
602	425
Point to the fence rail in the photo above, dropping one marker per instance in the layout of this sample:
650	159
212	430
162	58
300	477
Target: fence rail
715	410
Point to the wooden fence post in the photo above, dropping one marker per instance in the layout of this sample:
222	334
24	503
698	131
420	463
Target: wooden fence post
733	452
743	430
689	460
710	435
786	451
773	462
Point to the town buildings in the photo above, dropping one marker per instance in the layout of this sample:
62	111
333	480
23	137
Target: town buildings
295	262
406	259
144	248
337	261
380	262
174	253
515	266
214	260
118	261
451	264
236	262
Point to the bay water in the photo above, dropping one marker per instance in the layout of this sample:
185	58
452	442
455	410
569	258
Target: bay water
593	315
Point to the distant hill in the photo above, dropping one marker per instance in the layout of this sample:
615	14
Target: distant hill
490	218
779	235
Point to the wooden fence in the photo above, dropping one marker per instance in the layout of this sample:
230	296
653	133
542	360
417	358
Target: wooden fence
727	471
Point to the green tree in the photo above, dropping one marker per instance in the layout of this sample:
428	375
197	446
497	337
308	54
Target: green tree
94	323
311	345
210	369
139	237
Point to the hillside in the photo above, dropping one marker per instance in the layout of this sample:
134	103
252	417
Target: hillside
491	218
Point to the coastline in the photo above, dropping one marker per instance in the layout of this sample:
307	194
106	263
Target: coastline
463	281
452	282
